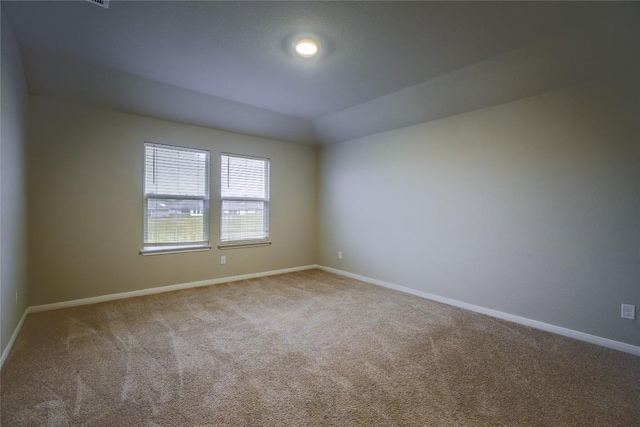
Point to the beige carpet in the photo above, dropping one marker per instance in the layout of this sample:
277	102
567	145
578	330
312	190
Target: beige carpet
305	349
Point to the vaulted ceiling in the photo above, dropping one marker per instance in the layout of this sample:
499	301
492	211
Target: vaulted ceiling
230	65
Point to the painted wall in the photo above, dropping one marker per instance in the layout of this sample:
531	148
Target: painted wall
603	37
530	208
13	186
85	195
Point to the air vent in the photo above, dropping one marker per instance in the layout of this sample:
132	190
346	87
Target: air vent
102	3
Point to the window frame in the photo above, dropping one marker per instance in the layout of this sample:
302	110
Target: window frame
176	247
230	244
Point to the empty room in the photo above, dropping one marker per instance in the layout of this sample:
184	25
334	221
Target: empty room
305	213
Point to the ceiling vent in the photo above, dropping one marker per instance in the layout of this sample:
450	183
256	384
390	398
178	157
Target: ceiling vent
103	3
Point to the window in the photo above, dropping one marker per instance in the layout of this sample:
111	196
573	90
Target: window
176	198
244	195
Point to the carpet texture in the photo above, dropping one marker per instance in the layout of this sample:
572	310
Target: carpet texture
305	349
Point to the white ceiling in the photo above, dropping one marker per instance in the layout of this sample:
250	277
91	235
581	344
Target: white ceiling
229	64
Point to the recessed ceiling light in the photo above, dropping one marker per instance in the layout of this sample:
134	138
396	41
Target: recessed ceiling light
307	48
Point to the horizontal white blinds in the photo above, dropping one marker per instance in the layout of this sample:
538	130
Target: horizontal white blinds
176	185
244	192
176	171
244	177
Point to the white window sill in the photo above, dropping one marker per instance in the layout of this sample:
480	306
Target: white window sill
247	244
163	250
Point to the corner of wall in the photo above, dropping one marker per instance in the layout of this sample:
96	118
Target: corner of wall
13	184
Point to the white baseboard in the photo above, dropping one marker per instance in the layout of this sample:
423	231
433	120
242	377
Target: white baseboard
7	349
593	339
162	289
149	291
604	342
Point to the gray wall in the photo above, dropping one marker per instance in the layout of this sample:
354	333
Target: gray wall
13	183
606	40
85	195
529	208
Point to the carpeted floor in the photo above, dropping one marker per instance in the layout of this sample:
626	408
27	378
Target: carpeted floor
305	349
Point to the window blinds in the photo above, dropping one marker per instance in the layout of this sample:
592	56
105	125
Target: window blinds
244	192
176	171
176	191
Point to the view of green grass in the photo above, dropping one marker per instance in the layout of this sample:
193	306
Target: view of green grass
191	228
243	227
175	229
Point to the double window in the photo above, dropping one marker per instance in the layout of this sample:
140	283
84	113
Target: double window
176	198
244	197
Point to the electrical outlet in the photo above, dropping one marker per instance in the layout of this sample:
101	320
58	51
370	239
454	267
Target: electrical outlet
16	297
628	311
223	259
339	254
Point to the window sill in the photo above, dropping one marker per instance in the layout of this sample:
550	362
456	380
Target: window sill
238	245
163	250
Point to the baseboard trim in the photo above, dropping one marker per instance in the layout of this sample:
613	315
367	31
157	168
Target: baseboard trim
7	349
142	292
593	339
582	336
162	289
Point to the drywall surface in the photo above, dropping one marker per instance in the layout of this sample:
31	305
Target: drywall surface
529	208
13	187
606	40
86	195
67	78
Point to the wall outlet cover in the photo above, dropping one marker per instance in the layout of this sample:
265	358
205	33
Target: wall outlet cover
628	311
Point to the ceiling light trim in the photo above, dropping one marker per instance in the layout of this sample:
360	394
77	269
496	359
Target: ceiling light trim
307	47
